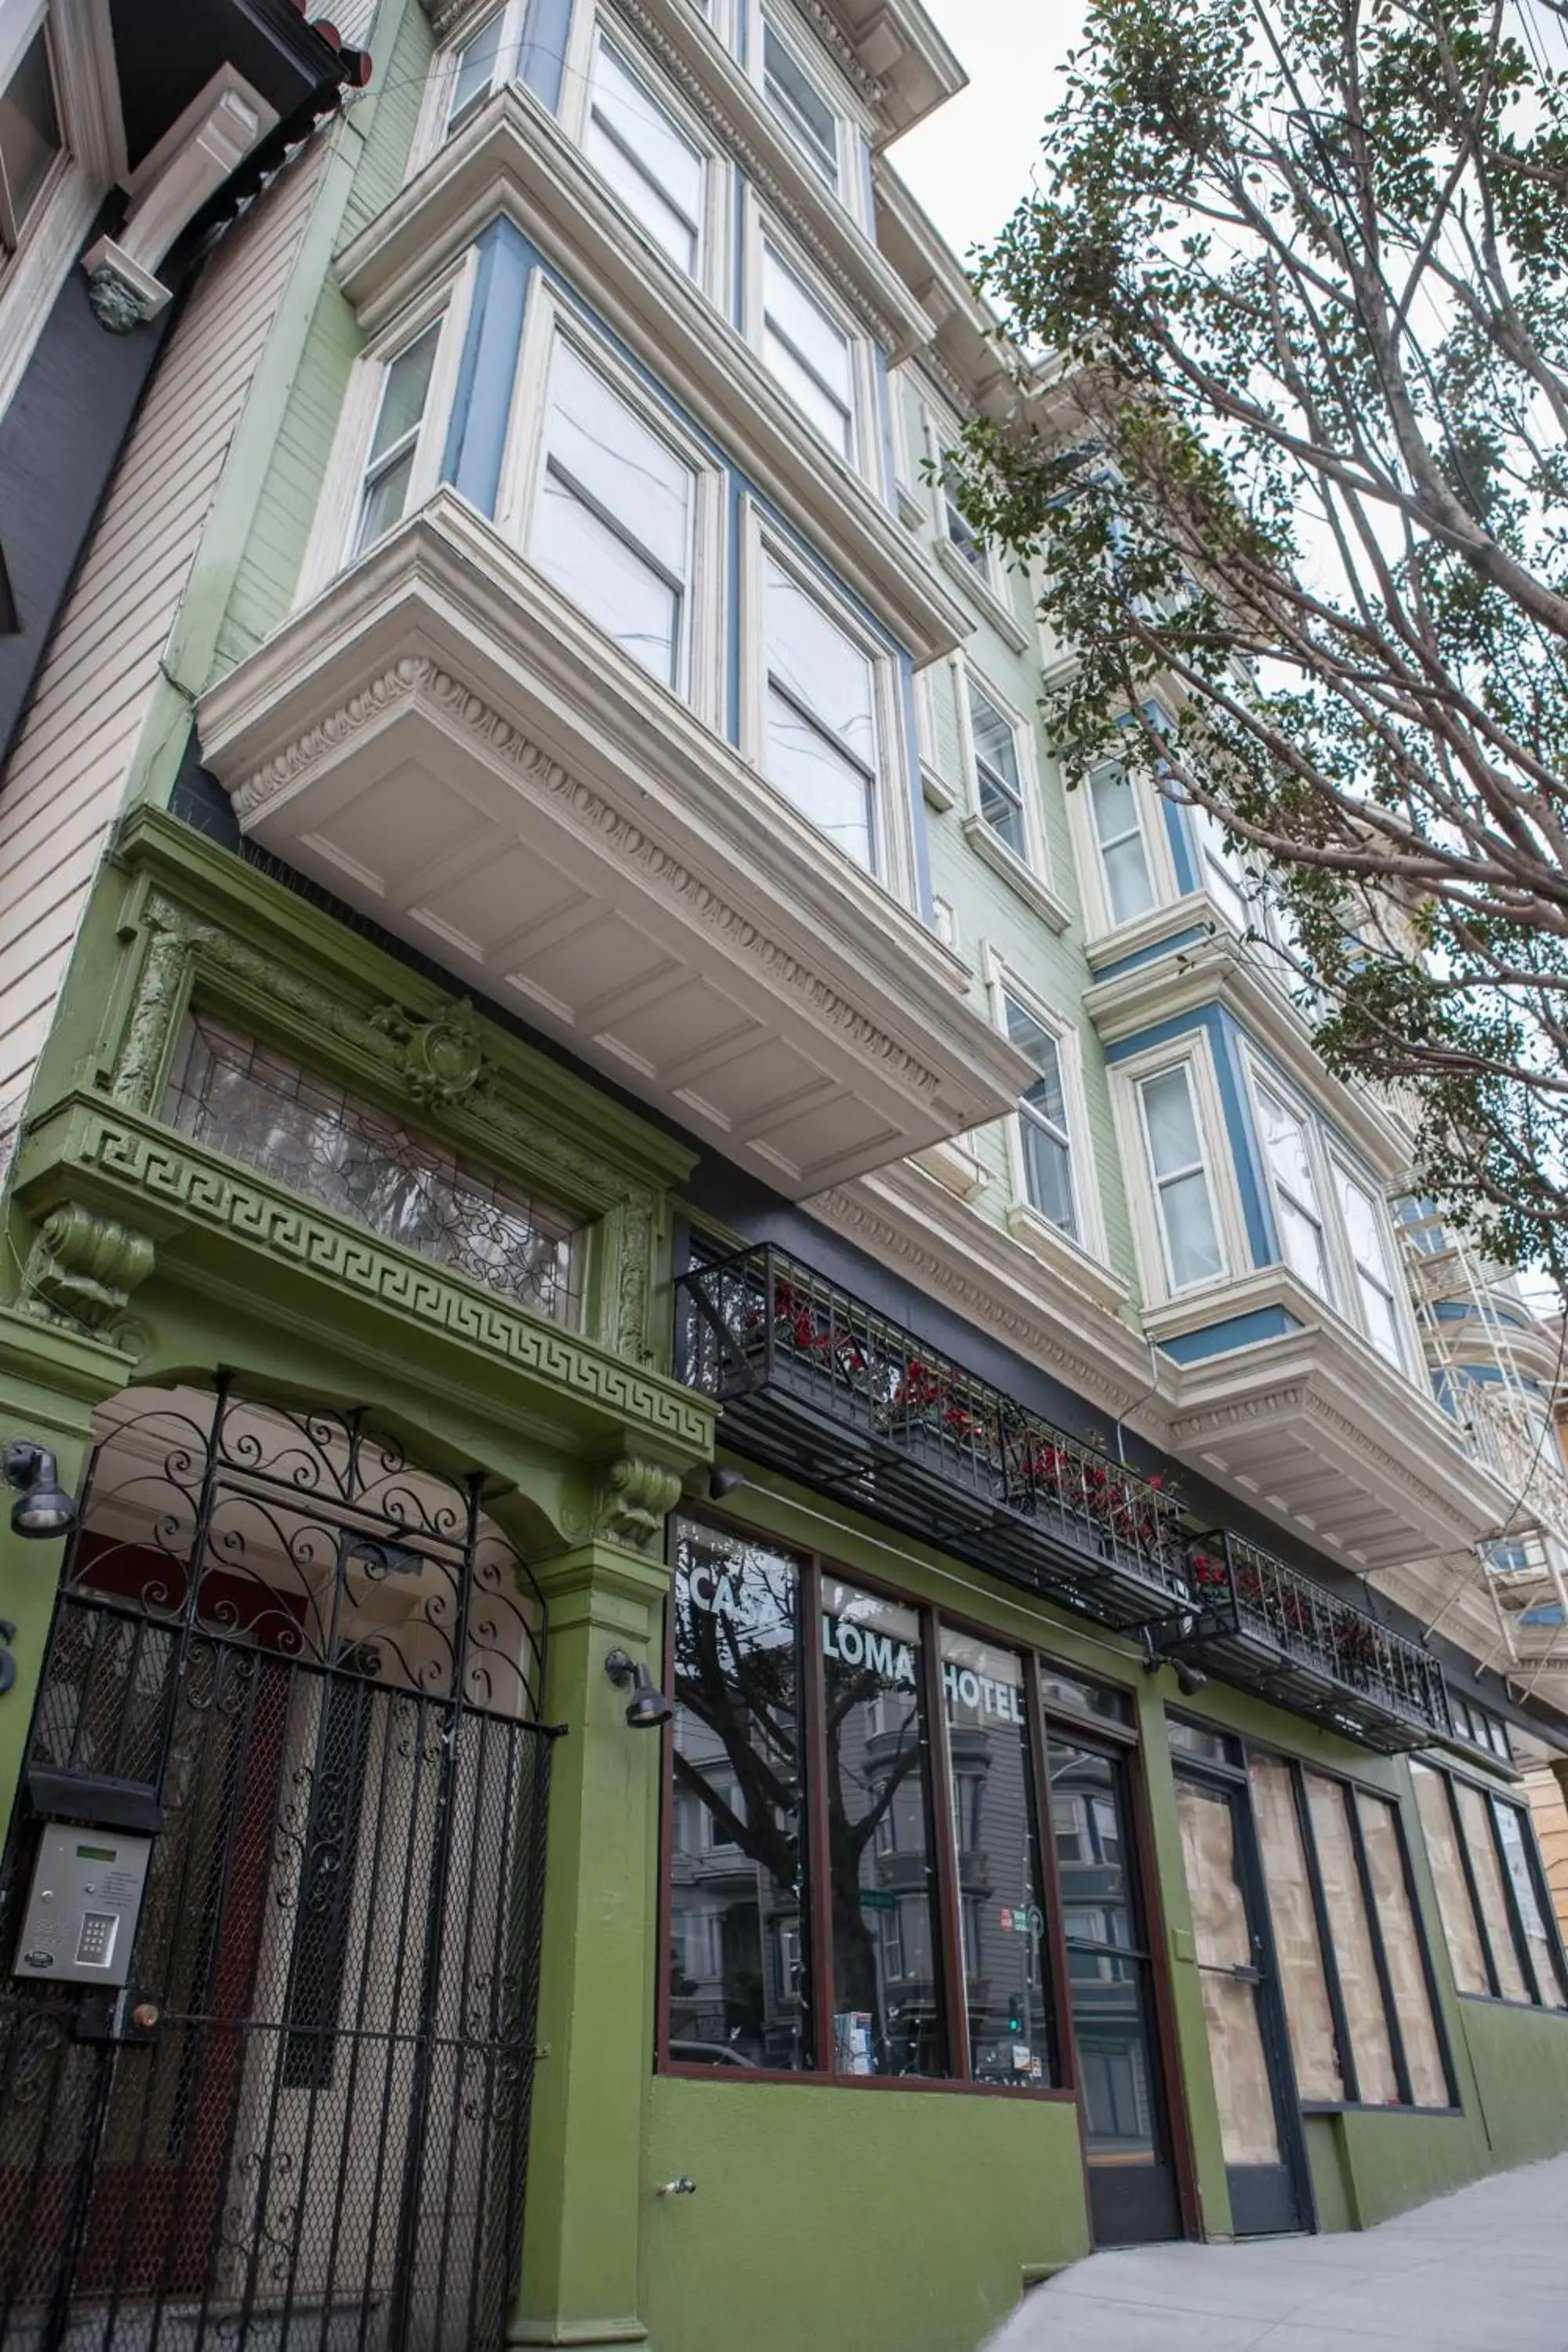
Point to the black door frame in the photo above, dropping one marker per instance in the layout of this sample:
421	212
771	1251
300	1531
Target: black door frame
1233	1781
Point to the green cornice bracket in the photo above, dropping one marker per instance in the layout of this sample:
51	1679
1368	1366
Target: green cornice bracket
84	1266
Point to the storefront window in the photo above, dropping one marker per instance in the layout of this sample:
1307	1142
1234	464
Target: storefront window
1465	1825
1402	1952
1360	1994
1492	1894
997	1856
1308	2014
1538	1941
1465	1948
887	2004
739	1987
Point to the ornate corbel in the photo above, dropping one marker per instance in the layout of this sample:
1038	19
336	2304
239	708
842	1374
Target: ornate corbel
84	1266
637	1496
442	1062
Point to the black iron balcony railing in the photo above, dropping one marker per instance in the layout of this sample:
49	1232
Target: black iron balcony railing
1258	1623
816	1383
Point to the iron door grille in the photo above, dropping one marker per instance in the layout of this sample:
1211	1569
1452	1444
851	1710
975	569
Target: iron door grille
320	1668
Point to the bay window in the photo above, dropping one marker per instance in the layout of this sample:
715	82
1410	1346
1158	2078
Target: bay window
395	447
800	106
659	173
1184	1200
878	1900
1123	852
819	723
807	351
1491	1892
613	521
1366	1232
1043	1137
486	60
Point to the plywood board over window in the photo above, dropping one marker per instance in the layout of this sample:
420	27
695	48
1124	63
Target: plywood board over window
1360	1990
1248	2131
1402	1952
1298	1946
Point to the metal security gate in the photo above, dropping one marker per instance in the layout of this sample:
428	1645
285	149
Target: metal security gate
300	1677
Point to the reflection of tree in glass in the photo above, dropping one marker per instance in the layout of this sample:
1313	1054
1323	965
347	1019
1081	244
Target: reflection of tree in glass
870	1757
737	1672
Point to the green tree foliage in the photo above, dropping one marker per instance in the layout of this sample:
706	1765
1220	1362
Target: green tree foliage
1290	453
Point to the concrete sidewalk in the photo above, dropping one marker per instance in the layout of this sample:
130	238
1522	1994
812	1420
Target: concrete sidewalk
1486	2269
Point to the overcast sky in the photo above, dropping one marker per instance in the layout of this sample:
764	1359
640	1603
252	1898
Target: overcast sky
969	164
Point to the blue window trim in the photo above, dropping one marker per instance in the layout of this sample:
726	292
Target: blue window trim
1226	1042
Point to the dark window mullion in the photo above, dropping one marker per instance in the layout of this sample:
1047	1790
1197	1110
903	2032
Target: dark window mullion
1351	1800
1471	1889
815	1859
948	1940
1054	1978
1510	1897
1424	1946
1326	1940
1536	1863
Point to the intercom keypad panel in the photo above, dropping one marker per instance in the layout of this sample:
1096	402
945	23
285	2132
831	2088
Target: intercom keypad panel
80	1920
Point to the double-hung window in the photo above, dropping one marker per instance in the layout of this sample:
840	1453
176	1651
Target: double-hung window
1219	870
800	106
654	168
963	537
30	139
1044	1133
613	519
395	447
1123	852
1298	1212
999	785
1366	1234
1184	1202
819	720
807	351
486	60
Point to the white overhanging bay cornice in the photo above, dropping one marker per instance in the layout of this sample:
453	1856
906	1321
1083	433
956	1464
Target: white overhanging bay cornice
1215	971
446	742
514	163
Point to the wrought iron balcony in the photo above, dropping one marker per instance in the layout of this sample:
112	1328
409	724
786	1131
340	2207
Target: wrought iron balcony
816	1383
1261	1625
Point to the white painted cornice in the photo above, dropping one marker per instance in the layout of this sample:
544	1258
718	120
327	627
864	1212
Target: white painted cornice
1217	971
442	712
513	162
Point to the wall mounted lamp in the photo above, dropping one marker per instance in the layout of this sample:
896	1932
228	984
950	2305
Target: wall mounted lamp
42	1507
649	1707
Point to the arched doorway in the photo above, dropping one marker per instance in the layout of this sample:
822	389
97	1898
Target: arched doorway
295	1679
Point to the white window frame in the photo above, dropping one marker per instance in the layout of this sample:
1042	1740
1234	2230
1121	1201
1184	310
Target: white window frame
1101	920
330	547
1195	1053
1025	1222
1343	1167
713	261
92	160
1263	1078
894	868
549	316
430	133
829	85
865	435
1203	1165
1032	856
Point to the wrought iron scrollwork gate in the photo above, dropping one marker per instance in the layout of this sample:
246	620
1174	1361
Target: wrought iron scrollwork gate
311	1671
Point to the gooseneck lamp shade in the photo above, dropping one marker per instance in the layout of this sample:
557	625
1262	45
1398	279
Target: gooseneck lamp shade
42	1507
650	1709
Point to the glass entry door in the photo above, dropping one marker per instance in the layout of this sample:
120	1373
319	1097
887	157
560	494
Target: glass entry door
1252	2079
1132	2191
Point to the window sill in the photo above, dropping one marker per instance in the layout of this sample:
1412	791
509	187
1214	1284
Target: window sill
956	1170
1014	635
1052	1246
1035	893
912	513
1049	2093
1520	2008
939	794
1374	2107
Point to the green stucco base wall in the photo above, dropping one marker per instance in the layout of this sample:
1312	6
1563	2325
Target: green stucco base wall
851	2220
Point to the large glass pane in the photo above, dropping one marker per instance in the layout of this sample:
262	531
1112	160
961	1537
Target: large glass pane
1298	1947
823	783
389	469
1181	1183
820	668
1106	1971
808	353
1402	1950
739	1960
1475	1819
476	75
599	570
999	1884
1514	1835
1129	884
1190	1236
1295	1208
887	2010
1047	1174
614	457
29	131
1249	2133
648	161
1454	1904
800	106
1359	1990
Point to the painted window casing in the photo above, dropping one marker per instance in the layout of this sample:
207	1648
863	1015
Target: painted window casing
1057	1123
1180	1177
1496	1909
914	1865
1128	878
1044	1133
1168	1274
660	171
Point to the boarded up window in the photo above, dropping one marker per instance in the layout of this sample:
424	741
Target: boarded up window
1359	1990
1402	1950
1465	1950
1296	1941
1490	1892
1242	2088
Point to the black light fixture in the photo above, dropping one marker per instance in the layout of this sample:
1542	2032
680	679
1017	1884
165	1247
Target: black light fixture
42	1507
1190	1679
721	1482
650	1709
